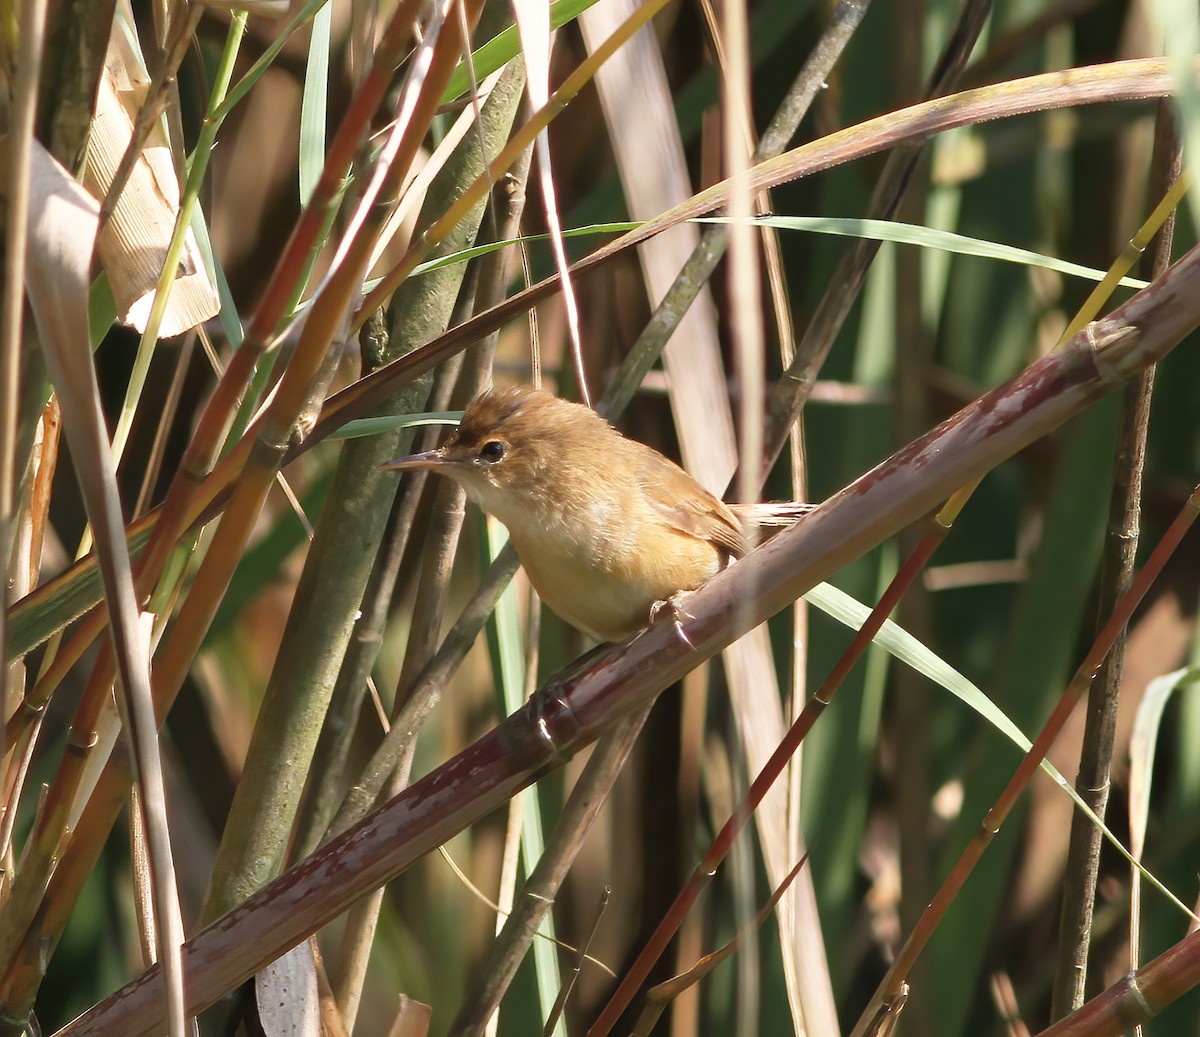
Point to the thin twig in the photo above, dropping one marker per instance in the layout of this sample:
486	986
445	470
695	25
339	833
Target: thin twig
20	150
794	386
508	950
713	242
1117	568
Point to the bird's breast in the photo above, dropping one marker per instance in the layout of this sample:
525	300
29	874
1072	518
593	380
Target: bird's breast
603	577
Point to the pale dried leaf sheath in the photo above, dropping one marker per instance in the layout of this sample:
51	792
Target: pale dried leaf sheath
133	244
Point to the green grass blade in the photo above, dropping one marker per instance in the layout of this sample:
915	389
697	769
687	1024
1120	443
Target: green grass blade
929	237
313	104
906	648
505	46
509	656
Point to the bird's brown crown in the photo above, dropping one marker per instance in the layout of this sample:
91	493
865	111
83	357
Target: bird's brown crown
523	436
526	414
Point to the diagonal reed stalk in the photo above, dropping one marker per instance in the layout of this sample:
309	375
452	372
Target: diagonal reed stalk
573	712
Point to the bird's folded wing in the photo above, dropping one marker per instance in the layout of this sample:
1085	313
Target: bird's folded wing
673	495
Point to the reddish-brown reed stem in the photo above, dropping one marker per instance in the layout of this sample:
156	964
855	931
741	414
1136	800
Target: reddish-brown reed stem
1138	997
897	975
723	843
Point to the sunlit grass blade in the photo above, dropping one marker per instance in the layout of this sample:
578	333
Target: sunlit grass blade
509	668
313	113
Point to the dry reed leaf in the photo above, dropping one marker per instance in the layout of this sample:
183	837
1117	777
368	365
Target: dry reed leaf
62	234
412	1018
133	245
636	99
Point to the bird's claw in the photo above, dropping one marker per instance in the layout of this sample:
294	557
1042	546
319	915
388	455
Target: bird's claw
678	613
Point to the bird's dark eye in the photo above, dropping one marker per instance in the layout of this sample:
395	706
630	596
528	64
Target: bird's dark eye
492	451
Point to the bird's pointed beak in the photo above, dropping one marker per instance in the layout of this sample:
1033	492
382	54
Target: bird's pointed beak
416	462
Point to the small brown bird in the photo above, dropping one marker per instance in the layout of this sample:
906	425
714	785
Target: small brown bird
606	527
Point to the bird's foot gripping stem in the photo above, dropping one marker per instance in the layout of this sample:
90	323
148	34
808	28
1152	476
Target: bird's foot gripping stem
553	722
674	604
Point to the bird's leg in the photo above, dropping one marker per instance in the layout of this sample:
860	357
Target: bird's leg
548	710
